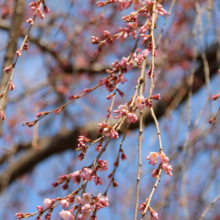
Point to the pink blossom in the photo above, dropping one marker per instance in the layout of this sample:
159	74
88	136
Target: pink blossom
55	184
57	111
155	173
65	203
95	40
81	156
39	114
47	216
30	20
81	145
72	97
144	29
145	38
98	148
123	109
33	4
156	97
149	74
2	116
133	25
62	178
148	102
86	198
109	96
100	4
76	177
160	10
87	174
82	138
167	169
153	158
102	165
85	215
120	92
145	52
30	124
67	215
154	215
42	15
86	208
46	9
142	206
112	134
48	203
214	97
139	102
19	215
163	158
87	90
102	201
11	86
40	208
106	33
18	53
93	217
132	118
211	120
121	78
98	180
7	69
78	200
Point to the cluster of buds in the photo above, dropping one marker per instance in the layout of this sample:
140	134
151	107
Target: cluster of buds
108	130
102	165
153	156
123	4
48	203
123	110
98	148
139	57
154	215
87	202
141	102
62	179
36	7
82	140
123	66
22	215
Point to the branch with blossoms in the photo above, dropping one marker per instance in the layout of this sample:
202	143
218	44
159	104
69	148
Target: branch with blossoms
87	205
36	7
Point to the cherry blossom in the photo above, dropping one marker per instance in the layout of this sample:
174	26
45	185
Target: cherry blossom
66	215
153	158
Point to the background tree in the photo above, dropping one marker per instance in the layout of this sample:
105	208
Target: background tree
61	79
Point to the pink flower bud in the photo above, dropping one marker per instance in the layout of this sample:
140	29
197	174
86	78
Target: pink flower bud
11	86
7	69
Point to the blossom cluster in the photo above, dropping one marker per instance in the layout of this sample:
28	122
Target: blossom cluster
87	204
153	156
154	215
124	110
108	130
142	102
